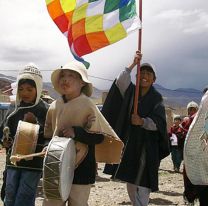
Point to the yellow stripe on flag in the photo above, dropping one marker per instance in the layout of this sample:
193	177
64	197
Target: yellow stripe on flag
68	6
79	13
116	33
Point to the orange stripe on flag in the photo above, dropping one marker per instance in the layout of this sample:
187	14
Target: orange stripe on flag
54	9
78	29
97	40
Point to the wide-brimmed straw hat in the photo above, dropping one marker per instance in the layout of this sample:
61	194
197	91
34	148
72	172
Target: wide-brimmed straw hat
77	67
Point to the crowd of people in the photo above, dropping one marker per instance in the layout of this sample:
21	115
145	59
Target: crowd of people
131	143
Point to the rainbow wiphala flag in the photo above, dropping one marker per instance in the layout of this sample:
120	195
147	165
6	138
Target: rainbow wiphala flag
92	24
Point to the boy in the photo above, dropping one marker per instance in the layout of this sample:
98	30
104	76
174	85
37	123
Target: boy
192	108
22	179
175	135
190	191
75	115
144	133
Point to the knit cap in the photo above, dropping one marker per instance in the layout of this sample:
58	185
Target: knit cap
31	71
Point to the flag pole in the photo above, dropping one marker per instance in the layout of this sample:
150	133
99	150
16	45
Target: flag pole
136	95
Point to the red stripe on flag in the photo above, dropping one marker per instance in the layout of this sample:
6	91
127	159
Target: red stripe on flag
62	23
81	46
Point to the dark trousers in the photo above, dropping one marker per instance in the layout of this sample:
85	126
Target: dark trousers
3	186
176	157
203	196
192	192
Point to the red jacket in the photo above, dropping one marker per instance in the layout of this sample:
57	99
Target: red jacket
185	127
178	132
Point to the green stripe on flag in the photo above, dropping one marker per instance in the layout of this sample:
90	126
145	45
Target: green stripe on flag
111	5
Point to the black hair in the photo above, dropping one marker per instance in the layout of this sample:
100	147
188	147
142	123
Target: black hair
178	118
27	81
205	89
149	69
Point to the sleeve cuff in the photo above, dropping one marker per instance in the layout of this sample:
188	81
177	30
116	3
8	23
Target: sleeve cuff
127	70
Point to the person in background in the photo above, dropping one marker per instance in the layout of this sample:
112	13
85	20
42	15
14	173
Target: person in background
144	133
192	108
175	135
190	193
194	192
22	179
9	111
203	189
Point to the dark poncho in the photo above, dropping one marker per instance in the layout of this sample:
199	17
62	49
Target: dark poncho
143	148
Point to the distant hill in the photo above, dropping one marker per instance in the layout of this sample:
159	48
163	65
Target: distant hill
173	98
48	86
179	97
9	78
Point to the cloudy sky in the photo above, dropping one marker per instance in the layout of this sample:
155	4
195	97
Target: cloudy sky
175	40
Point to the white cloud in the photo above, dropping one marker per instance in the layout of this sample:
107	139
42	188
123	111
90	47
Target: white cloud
191	21
174	39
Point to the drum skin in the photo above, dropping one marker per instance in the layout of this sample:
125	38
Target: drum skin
58	170
196	146
25	138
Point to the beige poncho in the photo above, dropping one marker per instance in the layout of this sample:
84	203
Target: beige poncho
82	112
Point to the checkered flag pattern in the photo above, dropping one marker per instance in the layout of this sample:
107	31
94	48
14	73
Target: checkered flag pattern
93	24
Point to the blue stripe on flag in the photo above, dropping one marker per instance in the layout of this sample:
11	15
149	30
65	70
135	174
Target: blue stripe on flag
124	2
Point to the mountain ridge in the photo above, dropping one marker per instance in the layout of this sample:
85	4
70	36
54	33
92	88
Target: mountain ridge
179	97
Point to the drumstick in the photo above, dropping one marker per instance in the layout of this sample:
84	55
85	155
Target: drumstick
16	158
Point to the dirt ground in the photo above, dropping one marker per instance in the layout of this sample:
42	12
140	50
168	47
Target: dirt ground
110	193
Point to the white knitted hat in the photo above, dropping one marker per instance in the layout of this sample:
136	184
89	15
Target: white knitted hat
192	104
31	71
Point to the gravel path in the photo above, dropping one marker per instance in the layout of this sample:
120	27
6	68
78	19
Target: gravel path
110	193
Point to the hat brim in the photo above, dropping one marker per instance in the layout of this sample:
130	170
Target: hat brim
87	89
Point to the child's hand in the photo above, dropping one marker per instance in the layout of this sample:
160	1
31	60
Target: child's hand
136	120
68	132
137	59
7	143
44	149
180	126
30	117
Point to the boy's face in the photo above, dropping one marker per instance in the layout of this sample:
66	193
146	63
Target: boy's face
146	78
177	122
70	83
27	93
192	111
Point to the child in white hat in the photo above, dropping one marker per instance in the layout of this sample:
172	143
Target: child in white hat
75	115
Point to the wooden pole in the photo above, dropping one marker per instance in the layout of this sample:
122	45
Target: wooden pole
136	95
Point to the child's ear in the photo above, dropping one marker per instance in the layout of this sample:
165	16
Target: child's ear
83	83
